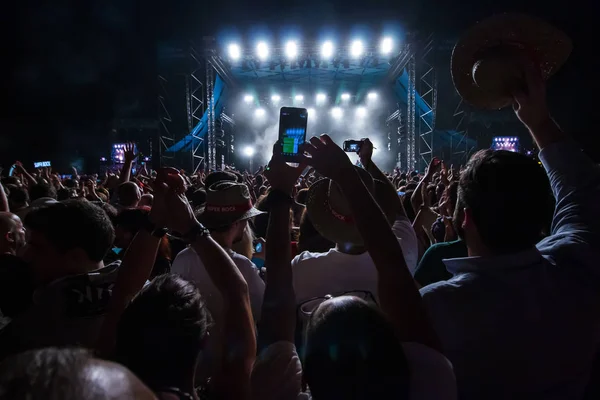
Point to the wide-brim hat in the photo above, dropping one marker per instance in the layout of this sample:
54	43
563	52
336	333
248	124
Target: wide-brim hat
226	203
330	213
502	40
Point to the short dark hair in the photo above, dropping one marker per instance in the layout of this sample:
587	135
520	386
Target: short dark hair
168	310
40	189
44	373
509	197
74	224
128	193
18	195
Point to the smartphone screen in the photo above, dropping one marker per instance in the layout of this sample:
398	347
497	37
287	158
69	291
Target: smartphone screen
292	129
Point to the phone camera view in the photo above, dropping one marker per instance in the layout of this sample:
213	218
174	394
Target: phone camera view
292	129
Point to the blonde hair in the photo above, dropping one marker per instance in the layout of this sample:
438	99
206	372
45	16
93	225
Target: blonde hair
245	246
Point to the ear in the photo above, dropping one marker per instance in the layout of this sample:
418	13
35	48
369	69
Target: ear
10	237
467	221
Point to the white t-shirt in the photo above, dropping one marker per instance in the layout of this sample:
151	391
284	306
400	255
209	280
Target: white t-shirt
334	272
187	264
277	374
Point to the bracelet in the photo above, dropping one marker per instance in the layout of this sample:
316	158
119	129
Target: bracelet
155	231
198	230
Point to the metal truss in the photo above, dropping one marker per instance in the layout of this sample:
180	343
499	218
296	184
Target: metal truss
166	137
461	151
195	107
411	115
396	127
211	144
428	92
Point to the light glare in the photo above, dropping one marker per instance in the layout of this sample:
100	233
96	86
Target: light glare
327	50
234	51
291	49
361	112
299	97
275	98
387	45
372	96
337	112
262	50
248	98
259	112
311	112
345	96
356	49
248	151
321	97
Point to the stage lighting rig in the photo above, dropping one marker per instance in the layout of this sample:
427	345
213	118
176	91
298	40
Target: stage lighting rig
356	48
291	49
234	51
387	45
262	51
327	50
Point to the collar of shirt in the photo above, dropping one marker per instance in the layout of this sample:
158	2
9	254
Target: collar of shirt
475	264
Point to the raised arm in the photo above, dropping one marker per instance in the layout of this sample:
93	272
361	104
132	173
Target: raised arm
574	178
3	200
365	154
417	199
398	294
128	162
278	317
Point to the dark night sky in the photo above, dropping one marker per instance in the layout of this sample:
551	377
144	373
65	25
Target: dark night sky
64	61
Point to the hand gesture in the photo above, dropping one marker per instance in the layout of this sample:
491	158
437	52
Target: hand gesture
530	101
326	157
279	174
444	175
366	152
129	152
434	165
170	207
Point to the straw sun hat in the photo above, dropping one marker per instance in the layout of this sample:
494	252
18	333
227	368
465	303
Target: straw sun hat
487	60
330	213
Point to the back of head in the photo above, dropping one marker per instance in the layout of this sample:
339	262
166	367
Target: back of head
73	224
219	176
129	194
352	352
66	374
18	197
509	198
162	331
40	190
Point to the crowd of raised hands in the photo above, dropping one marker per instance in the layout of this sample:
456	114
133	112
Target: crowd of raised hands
76	326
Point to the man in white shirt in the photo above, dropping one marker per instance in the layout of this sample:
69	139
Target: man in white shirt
348	267
228	208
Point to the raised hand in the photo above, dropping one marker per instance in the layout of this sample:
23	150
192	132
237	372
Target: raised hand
530	101
170	207
280	175
434	165
326	157
366	152
129	152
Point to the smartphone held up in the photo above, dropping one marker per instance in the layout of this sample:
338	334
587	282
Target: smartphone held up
292	130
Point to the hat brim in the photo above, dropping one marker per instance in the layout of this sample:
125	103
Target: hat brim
550	48
324	221
213	220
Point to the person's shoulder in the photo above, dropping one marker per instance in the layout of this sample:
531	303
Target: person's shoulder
184	259
441	288
307	257
432	375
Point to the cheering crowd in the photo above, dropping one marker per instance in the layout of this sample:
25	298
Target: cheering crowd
318	279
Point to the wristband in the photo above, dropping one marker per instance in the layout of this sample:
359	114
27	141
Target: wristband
198	230
155	231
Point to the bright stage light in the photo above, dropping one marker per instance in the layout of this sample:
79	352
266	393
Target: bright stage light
291	49
234	51
275	98
259	112
299	97
356	49
321	97
311	112
387	45
372	96
248	98
345	96
327	50
262	50
248	151
361	112
375	145
337	112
